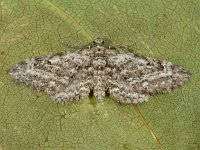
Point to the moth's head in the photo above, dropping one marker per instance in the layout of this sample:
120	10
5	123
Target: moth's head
98	41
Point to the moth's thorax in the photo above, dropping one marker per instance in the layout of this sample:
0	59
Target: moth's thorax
99	63
98	51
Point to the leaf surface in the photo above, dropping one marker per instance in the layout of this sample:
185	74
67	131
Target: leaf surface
168	30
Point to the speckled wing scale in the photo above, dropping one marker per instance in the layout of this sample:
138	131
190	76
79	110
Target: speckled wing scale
99	70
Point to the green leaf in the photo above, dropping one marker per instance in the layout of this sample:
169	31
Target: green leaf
167	30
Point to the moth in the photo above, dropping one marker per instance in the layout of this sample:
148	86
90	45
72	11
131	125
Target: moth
100	71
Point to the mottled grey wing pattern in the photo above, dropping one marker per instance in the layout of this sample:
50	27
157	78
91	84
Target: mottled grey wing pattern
58	75
136	78
99	70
